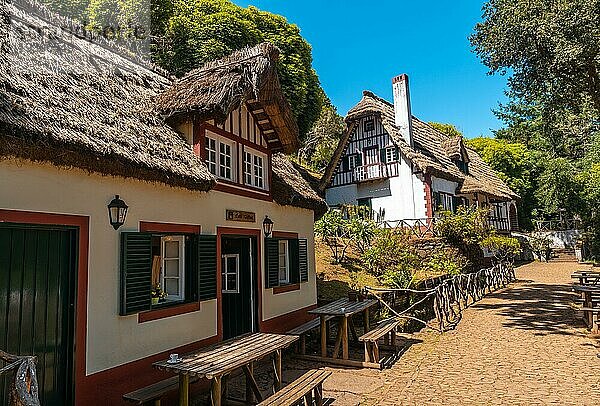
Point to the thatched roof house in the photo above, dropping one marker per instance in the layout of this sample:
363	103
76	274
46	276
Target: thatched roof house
432	151
79	101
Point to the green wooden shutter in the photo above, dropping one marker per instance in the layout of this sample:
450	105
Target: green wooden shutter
136	272
382	155
303	257
294	253
272	260
207	267
359	159
396	154
437	201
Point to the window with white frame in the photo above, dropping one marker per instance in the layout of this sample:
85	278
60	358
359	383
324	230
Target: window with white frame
230	272
210	145
254	169
221	157
173	266
284	262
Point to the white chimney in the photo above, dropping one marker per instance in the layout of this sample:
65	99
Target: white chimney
402	114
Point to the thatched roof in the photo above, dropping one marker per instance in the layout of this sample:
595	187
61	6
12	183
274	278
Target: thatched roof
217	88
432	151
291	188
66	99
75	100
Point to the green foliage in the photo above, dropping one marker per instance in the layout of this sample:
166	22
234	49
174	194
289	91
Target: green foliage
361	231
464	230
445	261
322	139
559	187
333	230
75	9
517	166
448	129
540	245
591	196
504	249
199	31
550	49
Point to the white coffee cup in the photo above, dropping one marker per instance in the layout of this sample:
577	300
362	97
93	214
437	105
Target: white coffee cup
174	357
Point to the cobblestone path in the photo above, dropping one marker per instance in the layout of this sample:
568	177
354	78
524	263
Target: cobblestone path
521	345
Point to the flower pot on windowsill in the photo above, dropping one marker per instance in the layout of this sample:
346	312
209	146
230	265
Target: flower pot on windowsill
155	300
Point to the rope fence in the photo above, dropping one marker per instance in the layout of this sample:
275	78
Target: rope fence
452	295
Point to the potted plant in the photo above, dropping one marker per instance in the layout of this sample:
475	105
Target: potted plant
158	295
354	285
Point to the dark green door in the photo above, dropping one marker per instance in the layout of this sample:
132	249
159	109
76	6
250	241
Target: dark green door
37	280
238	285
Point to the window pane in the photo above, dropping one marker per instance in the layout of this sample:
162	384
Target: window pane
171	249
231	282
172	286
171	267
232	265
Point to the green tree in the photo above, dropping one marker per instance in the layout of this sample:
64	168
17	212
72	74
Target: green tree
199	31
550	48
559	187
448	129
322	139
517	166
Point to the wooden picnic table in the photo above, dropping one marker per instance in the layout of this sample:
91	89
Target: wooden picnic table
586	291
343	309
217	361
586	277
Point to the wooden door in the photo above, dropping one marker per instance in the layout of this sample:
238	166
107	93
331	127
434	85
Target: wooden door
238	283
37	291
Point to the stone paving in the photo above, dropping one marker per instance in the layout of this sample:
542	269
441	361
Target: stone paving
520	345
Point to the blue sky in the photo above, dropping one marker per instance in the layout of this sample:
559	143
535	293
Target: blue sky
361	45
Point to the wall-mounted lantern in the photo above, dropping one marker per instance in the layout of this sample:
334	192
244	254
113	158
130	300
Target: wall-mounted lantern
117	212
267	226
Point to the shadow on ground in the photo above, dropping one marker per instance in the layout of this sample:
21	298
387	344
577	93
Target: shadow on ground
545	308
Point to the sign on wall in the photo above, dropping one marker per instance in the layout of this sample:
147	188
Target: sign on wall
241	216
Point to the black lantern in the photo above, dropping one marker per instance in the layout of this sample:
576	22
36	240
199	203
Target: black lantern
267	226
117	212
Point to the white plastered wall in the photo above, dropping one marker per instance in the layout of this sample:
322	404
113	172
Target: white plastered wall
113	340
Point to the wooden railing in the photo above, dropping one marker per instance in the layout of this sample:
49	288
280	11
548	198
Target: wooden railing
499	223
375	171
557	225
422	227
23	386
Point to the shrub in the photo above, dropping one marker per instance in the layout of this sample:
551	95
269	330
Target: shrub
503	248
333	230
445	261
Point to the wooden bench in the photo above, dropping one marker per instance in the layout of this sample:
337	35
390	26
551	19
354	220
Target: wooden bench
308	387
305	328
385	329
154	392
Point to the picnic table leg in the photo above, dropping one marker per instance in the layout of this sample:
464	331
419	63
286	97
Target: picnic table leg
323	336
589	315
249	392
216	391
278	377
344	338
184	387
366	321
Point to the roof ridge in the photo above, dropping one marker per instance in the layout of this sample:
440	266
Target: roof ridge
124	49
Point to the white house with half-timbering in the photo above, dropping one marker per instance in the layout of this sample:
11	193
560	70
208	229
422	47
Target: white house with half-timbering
199	162
406	171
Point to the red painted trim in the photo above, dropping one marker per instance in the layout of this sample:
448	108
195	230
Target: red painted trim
286	288
174	310
288	321
428	196
221	186
284	234
231	231
108	387
155	227
82	223
235	138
